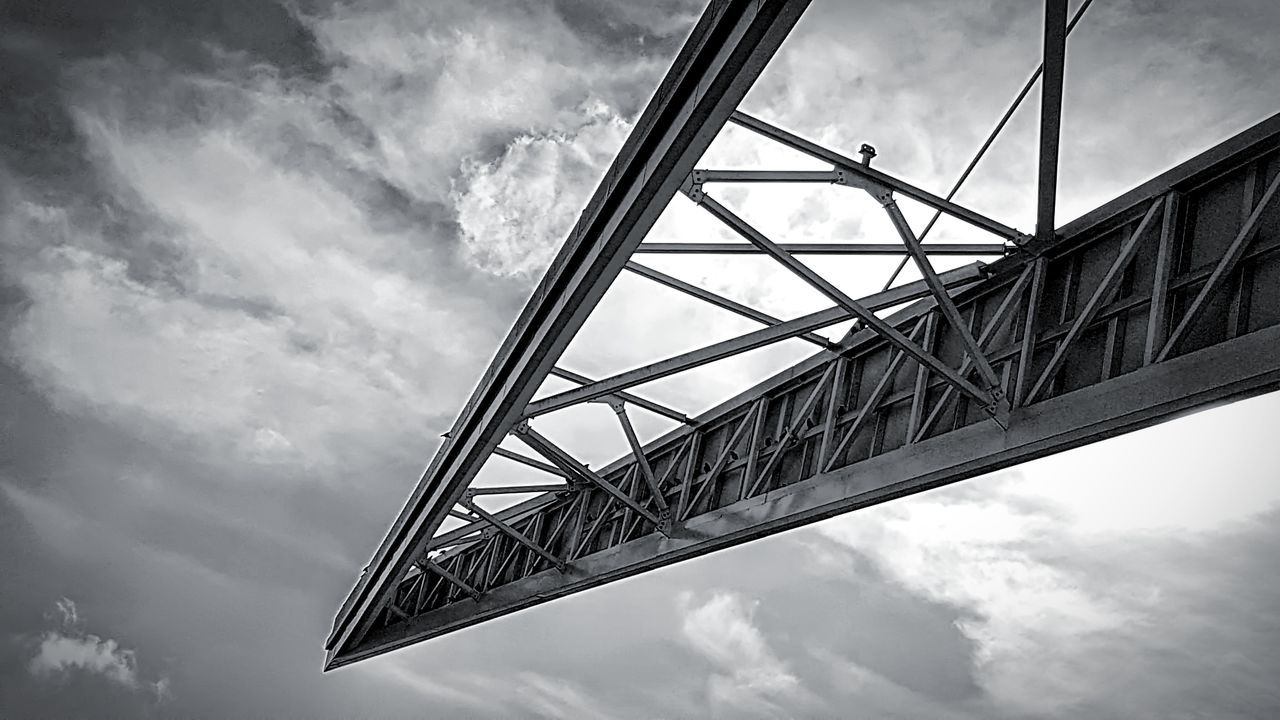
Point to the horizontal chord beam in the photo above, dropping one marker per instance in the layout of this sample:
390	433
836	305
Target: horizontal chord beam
724	248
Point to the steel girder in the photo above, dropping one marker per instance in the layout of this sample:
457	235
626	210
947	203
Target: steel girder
1162	301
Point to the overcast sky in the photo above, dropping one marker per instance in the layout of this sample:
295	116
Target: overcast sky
254	255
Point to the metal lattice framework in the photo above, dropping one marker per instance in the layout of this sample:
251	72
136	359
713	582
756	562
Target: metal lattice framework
1161	301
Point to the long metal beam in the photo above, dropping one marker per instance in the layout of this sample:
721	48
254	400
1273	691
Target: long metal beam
642	462
474	525
528	461
464	585
724	248
519	489
766	176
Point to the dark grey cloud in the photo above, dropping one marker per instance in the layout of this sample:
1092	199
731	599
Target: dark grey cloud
41	41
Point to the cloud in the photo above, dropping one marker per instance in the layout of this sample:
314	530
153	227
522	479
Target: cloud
749	677
272	331
983	555
66	609
515	212
272	261
524	694
432	83
458	690
68	650
549	697
1068	623
878	696
61	654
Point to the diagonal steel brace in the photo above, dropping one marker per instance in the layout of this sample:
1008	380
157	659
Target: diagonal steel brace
561	459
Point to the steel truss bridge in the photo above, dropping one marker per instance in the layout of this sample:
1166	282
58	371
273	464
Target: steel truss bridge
1160	302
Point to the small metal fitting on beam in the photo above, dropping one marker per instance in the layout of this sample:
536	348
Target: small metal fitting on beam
867	152
666	521
692	187
851	178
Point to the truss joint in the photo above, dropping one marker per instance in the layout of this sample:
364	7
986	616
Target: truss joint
851	178
692	187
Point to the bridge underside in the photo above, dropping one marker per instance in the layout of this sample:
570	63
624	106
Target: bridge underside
1162	301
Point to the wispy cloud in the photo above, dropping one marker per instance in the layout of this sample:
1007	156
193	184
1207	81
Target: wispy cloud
525	693
749	678
558	698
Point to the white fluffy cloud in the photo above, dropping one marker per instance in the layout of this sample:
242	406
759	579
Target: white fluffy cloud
61	654
69	649
516	211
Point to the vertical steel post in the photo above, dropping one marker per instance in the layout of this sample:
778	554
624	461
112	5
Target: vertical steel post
1055	51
